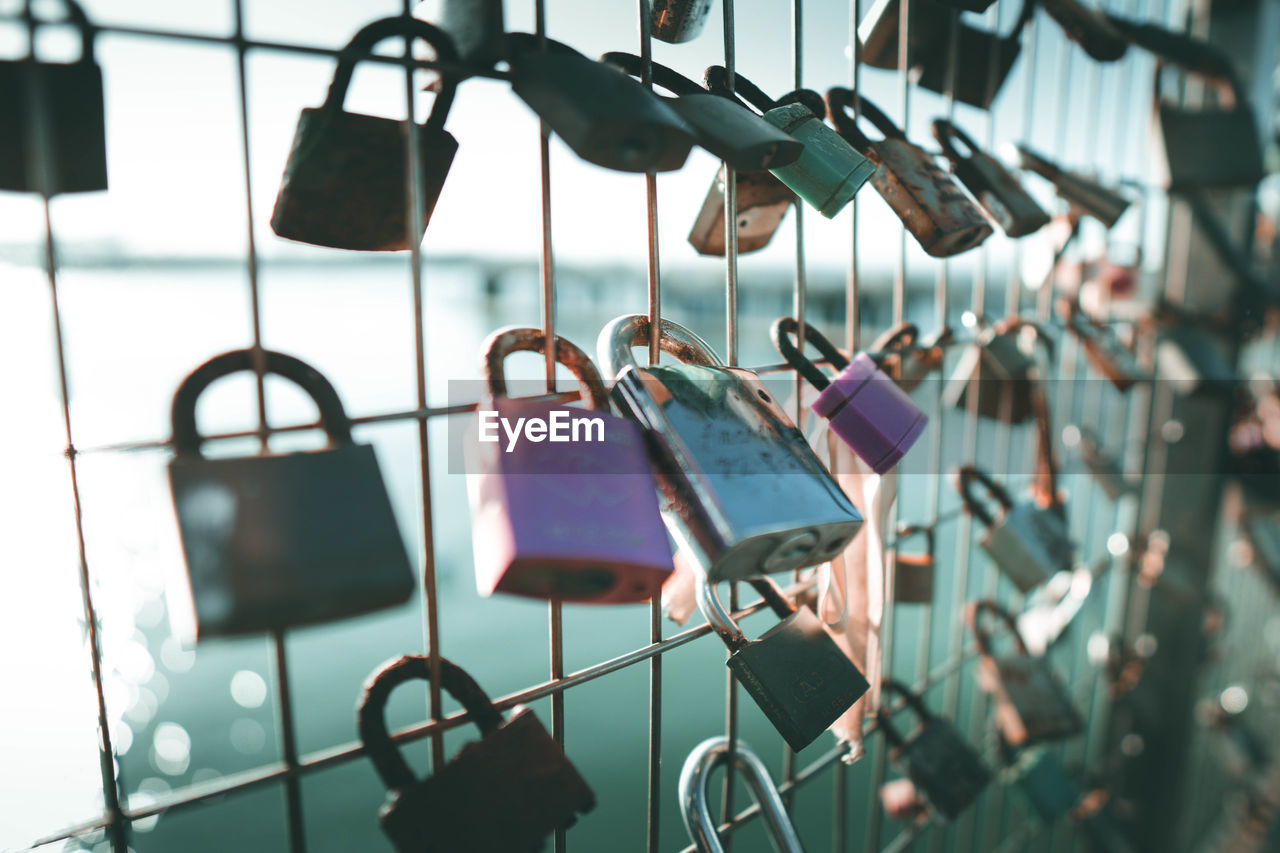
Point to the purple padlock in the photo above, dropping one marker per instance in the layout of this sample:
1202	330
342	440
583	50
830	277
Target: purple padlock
866	408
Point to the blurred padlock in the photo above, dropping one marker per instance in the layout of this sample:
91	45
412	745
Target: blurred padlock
677	21
345	184
1088	28
1084	194
906	358
995	188
1105	468
762	201
578	524
744	493
1210	147
928	200
53	139
995	369
1191	362
1028	543
1104	351
913	571
515	770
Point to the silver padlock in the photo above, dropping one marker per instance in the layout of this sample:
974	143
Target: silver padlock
1028	543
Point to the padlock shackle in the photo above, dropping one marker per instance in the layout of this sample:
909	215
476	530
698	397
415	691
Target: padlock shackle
76	16
839	103
186	436
889	687
363	43
981	635
623	334
970	475
947	132
783	332
906	531
371	718
695	801
900	339
668	78
716	79
717	616
503	342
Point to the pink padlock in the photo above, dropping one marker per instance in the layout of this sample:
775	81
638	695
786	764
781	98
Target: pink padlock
866	408
568	510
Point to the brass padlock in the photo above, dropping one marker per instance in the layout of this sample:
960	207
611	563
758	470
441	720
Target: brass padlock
1031	705
995	188
995	369
1085	195
928	200
795	672
762	202
53	138
677	21
515	770
1027	542
745	494
345	184
477	27
601	113
906	358
1104	351
913	572
1211	147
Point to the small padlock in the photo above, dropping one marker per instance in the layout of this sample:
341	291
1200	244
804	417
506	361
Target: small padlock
1106	469
723	126
862	404
762	202
928	200
344	184
578	525
279	541
1028	543
744	492
1190	361
1047	785
1031	705
1087	27
477	27
678	21
1084	194
695	802
515	771
1003	377
601	113
1104	351
907	359
53	139
795	672
913	572
946	770
995	188
829	171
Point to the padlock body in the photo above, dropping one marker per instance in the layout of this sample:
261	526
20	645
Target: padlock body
762	201
974	82
799	677
507	791
562	521
738	136
871	414
1207	148
1001	194
829	171
945	769
927	199
1029	544
999	373
74	141
1091	197
345	185
677	21
913	579
1031	704
275	542
1047	785
742	489
878	33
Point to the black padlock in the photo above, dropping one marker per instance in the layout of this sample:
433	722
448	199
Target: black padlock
1004	378
1106	354
53	111
278	541
504	793
601	113
1190	360
1211	147
677	21
1085	195
477	27
995	188
795	672
907	358
345	184
946	770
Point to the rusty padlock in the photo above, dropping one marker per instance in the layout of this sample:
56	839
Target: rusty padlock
578	524
761	201
1084	194
1105	353
995	188
928	200
678	21
1028	543
995	369
913	572
902	354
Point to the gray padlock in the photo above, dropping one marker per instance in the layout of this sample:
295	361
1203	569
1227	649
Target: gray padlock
1028	543
1104	351
996	369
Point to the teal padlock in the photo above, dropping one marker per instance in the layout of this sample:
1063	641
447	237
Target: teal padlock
829	171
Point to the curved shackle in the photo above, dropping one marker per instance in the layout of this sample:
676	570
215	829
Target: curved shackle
981	635
784	331
887	687
668	78
947	132
76	16
371	718
362	44
186	436
970	475
906	531
622	334
720	619
505	341
717	82
840	101
695	805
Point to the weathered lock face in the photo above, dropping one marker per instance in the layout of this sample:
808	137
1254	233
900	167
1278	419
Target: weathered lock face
999	372
1047	785
945	769
871	413
1029	545
762	201
927	200
677	21
799	677
829	171
1031	704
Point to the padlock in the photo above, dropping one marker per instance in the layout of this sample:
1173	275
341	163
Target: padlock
795	672
724	127
1104	351
829	171
907	359
913	572
1031	705
477	27
695	802
946	770
1047	785
928	200
862	404
678	21
579	525
743	491
601	113
345	185
1106	469
1189	360
1089	28
277	541
995	188
762	201
1213	147
1085	195
53	112
505	792
1004	378
1028	543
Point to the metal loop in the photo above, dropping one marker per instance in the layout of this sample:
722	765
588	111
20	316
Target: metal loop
982	635
840	101
717	617
668	78
76	15
914	702
966	477
901	339
622	334
906	531
695	805
505	341
946	131
783	332
186	436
